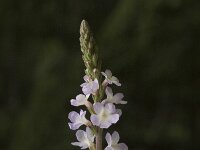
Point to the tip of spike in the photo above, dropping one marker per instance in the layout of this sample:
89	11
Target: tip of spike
84	26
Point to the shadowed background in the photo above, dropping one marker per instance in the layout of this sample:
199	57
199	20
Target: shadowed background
152	46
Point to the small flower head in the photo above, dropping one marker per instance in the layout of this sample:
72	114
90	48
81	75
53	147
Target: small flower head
116	99
113	142
89	87
77	119
105	115
109	78
85	139
80	100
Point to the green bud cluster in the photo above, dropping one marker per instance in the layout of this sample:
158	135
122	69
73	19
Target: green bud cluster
90	52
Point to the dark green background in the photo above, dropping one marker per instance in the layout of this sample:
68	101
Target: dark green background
152	46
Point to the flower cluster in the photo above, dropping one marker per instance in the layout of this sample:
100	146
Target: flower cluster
103	113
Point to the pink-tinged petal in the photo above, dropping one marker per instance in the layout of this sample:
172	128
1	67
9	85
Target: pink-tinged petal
98	107
108	73
109	92
119	96
73	116
114	118
115	137
86	78
90	87
80	135
82	113
105	124
123	146
74	102
87	90
95	120
81	98
110	107
95	85
108	139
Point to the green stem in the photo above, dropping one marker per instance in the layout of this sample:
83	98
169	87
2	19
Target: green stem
99	139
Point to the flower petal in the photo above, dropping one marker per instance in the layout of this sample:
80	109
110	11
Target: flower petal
82	113
86	78
95	85
115	137
115	81
108	139
119	96
123	146
98	107
114	118
110	107
77	144
80	97
95	120
108	73
74	126
86	89
74	102
80	144
80	135
105	124
73	116
108	148
80	100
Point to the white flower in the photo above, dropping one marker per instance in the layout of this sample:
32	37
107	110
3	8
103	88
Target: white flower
89	87
113	142
109	78
105	115
80	100
77	119
85	139
116	99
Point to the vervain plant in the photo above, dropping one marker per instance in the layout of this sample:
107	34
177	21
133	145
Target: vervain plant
103	112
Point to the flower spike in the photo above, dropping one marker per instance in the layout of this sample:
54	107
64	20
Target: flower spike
103	112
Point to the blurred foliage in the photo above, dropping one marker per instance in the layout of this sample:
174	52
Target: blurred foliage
153	47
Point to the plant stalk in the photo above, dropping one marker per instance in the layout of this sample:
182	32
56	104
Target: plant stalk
99	139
